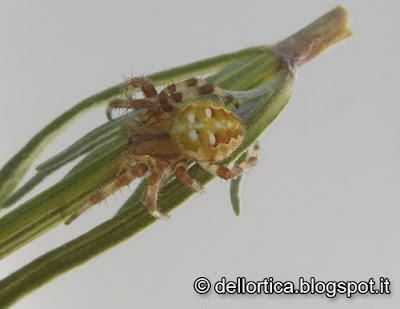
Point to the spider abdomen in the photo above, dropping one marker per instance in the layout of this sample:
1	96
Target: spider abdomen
206	131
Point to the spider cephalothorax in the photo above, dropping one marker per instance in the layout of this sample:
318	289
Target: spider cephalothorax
168	136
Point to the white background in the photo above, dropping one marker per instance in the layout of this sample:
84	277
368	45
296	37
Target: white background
322	202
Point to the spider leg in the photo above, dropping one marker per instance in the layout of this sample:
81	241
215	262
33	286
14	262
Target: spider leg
145	85
167	100
226	173
191	82
159	173
122	179
130	103
181	174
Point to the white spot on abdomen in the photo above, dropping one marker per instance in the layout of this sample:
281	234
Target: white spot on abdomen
191	118
212	138
218	125
208	113
193	135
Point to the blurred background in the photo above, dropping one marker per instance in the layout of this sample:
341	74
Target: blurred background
323	200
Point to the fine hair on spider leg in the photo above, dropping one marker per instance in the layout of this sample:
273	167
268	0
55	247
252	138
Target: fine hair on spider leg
237	170
168	96
144	84
122	179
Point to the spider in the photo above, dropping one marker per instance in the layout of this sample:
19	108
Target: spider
167	137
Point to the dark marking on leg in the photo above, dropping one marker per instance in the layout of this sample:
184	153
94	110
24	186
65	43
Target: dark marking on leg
206	89
176	97
164	102
191	82
149	90
145	85
181	174
170	89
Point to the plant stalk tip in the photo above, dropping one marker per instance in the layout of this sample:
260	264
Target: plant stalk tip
308	43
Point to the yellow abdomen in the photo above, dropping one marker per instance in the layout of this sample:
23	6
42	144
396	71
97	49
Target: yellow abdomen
206	131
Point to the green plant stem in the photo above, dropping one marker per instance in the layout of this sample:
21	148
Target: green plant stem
262	112
317	37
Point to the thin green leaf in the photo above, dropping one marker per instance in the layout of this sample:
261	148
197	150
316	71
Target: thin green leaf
235	186
99	149
54	205
113	143
88	142
15	169
26	188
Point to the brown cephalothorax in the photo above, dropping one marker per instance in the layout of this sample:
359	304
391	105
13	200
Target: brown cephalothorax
167	137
